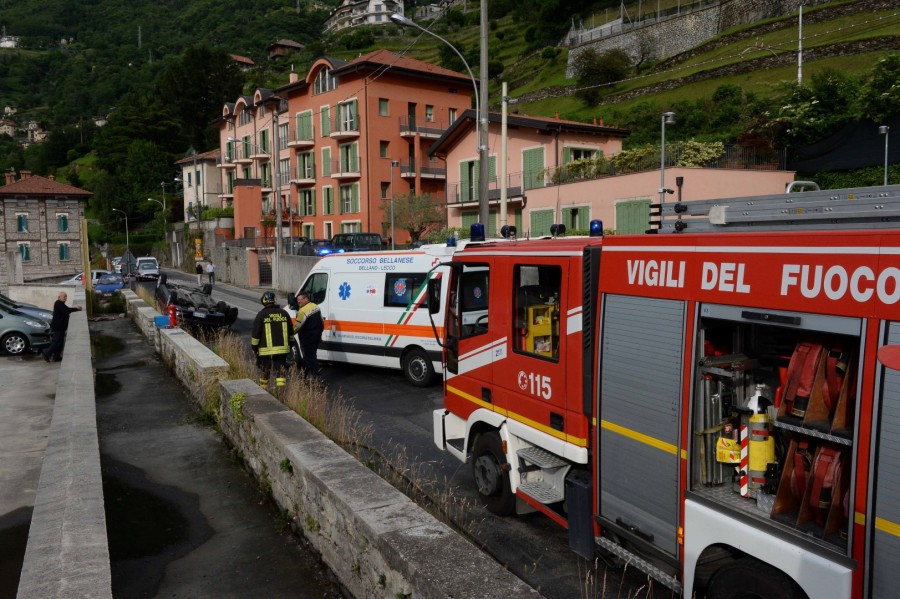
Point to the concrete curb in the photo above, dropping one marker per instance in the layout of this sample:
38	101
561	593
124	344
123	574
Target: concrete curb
375	539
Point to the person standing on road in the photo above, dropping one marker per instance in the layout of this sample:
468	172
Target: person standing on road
309	333
58	327
211	271
199	274
270	341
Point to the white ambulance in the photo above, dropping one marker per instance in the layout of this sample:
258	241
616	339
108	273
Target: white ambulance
375	308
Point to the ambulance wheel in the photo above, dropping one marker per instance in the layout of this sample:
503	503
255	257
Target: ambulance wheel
417	368
750	578
491	474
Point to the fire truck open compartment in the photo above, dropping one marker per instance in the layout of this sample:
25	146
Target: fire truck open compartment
774	417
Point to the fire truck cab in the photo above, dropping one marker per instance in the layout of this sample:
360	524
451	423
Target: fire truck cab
706	402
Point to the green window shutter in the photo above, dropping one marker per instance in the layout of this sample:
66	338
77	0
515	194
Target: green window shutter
326	121
63	223
340	199
354	107
476	177
25	249
518	223
567	155
354	198
354	157
492	169
326	162
22	224
464	182
469	219
304	126
327	200
575	218
540	222
533	166
632	217
312	203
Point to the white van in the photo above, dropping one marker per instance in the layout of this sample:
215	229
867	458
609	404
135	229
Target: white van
375	308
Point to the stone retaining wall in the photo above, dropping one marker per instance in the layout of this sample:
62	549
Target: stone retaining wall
375	539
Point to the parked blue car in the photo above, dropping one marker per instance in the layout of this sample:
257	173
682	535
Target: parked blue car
109	285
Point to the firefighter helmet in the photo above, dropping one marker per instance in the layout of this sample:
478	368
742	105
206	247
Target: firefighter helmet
268	298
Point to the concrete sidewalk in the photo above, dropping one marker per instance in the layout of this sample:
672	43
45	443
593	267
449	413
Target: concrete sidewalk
27	397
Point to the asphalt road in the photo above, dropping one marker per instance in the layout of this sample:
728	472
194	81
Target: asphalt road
531	546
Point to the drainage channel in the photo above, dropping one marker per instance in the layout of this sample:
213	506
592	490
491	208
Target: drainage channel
183	516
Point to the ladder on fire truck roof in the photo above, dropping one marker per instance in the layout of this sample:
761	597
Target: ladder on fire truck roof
856	208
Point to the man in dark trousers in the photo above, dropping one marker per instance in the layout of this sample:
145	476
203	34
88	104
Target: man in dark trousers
309	333
58	327
270	341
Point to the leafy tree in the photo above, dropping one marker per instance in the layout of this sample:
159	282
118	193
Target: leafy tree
594	69
880	97
417	214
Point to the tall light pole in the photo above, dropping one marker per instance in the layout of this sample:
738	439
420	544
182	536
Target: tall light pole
668	118
886	131
394	164
127	243
480	106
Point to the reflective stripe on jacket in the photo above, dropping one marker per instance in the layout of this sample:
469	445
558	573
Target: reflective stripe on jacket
271	331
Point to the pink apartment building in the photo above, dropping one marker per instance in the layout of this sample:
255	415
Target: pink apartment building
538	146
337	143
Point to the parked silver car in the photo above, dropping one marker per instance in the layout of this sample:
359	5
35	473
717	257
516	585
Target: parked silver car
29	309
20	332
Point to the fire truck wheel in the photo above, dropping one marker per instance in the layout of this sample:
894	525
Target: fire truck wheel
491	474
417	368
750	578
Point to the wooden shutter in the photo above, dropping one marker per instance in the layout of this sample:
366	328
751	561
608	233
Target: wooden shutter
326	162
326	121
540	222
354	198
567	155
492	169
632	217
533	167
354	157
464	182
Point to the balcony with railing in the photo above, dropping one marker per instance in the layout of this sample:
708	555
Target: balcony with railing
226	161
303	140
345	169
427	169
241	154
467	195
306	177
260	153
344	127
410	126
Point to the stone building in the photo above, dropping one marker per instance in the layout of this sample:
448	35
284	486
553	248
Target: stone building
40	236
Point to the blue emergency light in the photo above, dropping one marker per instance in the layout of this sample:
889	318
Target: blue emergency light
476	232
596	228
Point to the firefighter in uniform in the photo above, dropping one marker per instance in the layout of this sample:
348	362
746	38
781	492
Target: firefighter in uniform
309	333
270	341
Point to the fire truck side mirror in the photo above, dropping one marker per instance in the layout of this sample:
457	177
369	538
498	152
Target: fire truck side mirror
434	295
889	355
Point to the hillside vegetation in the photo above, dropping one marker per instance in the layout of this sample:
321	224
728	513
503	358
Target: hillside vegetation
160	72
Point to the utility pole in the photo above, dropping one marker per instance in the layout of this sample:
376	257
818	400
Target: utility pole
483	156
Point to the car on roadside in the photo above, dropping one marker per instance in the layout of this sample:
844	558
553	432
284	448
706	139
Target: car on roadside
79	278
194	306
109	285
117	264
28	309
20	333
147	271
356	242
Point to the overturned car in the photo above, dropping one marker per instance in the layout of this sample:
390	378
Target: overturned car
194	306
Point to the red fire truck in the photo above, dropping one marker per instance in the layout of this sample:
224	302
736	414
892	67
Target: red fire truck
705	402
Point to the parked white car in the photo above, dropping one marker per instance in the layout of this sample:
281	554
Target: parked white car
79	278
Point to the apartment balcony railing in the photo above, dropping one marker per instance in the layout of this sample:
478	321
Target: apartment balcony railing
468	194
345	169
344	128
226	161
303	139
411	126
305	177
429	169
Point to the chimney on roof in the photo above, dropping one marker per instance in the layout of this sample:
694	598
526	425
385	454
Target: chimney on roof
294	77
601	121
595	119
24	175
557	115
10	177
51	177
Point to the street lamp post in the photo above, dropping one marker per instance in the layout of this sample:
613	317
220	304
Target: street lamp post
668	118
165	223
127	243
394	164
886	131
480	111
